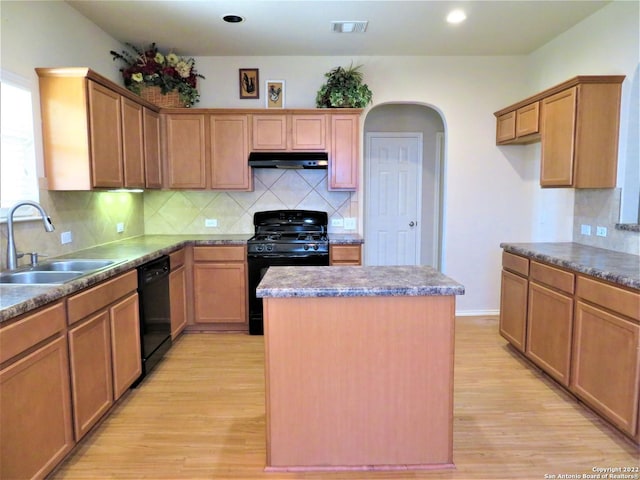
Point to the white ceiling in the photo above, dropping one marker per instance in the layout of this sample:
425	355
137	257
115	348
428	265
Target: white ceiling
302	27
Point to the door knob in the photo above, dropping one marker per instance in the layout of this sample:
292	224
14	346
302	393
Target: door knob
411	224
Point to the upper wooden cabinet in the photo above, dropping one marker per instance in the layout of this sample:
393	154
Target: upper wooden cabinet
204	150
93	133
343	159
289	132
185	150
578	128
229	136
152	149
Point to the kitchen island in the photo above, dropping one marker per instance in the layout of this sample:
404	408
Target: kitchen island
359	367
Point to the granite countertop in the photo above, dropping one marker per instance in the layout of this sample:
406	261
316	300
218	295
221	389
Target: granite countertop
129	253
353	281
616	267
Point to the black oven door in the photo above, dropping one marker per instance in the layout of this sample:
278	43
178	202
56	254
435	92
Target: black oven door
258	267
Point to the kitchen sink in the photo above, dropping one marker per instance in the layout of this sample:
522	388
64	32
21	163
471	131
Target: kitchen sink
35	277
73	264
56	271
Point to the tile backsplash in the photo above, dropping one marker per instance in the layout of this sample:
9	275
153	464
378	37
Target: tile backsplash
91	217
180	211
601	208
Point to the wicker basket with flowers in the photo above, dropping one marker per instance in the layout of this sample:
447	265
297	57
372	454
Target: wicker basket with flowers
165	80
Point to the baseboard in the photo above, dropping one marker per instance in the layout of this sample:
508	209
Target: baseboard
477	313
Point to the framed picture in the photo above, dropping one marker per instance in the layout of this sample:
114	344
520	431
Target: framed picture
274	93
249	83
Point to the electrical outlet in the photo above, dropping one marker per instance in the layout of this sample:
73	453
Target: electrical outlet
601	231
349	223
337	222
210	222
585	229
120	227
66	237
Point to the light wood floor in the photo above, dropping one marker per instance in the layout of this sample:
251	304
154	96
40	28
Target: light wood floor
200	415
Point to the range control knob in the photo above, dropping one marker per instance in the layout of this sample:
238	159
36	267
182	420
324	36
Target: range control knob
259	248
315	246
269	247
306	247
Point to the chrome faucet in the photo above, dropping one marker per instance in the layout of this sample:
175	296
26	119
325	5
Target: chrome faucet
12	255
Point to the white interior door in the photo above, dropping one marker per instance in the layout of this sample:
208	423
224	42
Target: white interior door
392	203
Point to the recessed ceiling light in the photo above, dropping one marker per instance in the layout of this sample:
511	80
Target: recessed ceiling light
456	16
352	26
233	19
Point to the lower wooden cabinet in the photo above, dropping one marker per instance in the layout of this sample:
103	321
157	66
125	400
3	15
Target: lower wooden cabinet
91	376
220	284
126	355
35	418
582	331
606	365
549	326
345	255
513	308
104	347
178	295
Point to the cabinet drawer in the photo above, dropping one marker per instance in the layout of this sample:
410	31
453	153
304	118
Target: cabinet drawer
100	296
227	253
613	298
176	259
515	263
553	277
30	330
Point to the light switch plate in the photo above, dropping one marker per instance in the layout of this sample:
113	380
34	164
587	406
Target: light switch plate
585	229
66	237
337	222
210	222
601	231
119	227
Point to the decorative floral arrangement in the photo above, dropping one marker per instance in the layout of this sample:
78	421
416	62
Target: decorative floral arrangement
150	67
344	88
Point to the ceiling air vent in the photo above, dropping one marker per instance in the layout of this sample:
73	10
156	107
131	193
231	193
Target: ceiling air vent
352	26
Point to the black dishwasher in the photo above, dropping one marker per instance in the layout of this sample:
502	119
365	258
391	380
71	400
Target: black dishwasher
155	312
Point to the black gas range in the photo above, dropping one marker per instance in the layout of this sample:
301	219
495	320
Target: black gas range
283	238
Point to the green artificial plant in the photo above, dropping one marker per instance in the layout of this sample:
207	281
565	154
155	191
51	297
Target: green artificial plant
344	89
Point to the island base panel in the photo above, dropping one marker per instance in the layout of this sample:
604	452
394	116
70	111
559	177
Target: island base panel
359	382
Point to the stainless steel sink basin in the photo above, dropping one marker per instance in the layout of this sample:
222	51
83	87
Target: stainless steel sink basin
36	277
73	264
56	271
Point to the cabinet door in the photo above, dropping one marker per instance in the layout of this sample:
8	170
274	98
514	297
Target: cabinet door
506	127
605	365
345	255
105	137
230	152
35	418
178	295
343	164
152	170
186	150
558	125
513	309
220	292
125	344
91	378
308	132
132	144
269	132
527	120
549	326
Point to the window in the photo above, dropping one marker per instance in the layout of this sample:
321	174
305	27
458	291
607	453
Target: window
18	176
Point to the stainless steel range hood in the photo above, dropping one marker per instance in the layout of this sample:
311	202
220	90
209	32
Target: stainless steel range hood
288	159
